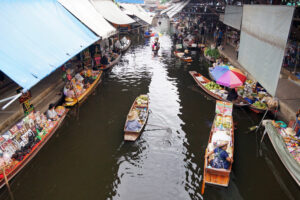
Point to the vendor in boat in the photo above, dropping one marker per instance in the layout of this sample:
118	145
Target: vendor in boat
221	157
187	53
232	95
104	60
68	91
51	113
133	124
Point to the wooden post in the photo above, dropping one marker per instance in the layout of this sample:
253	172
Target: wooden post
7	185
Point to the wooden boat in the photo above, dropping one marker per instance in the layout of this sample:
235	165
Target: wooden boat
12	172
111	64
177	54
73	101
125	47
191	46
201	81
279	144
142	108
218	176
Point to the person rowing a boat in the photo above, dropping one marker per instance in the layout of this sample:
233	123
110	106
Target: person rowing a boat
221	157
133	124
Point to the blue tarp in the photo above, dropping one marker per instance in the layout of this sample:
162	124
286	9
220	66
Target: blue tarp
130	1
37	37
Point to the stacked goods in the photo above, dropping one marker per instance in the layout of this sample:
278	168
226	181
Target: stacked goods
212	86
142	100
291	141
17	142
260	105
223	122
216	89
212	53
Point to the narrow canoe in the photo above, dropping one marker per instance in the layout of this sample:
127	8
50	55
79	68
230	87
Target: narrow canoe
214	176
176	53
10	173
197	76
111	64
71	102
123	49
133	135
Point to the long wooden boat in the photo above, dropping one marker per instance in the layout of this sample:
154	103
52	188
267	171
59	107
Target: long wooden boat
201	81
290	163
144	108
125	48
12	172
177	54
73	101
111	64
217	176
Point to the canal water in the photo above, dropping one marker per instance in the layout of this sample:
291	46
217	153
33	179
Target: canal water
88	159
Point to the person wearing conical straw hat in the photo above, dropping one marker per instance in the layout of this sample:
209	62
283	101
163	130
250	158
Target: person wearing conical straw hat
221	157
133	123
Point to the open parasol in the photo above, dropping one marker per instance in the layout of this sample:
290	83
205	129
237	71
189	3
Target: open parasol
228	76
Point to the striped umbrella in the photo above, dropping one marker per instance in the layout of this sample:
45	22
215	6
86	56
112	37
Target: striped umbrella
228	76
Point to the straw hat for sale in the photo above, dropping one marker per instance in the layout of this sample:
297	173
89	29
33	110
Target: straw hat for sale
222	144
132	115
290	131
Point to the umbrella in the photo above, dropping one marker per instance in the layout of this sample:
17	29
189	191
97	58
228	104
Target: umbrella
228	76
156	34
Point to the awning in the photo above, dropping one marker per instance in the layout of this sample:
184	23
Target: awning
177	8
37	37
138	11
167	9
130	1
111	12
87	14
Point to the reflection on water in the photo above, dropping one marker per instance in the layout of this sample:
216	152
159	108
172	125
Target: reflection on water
88	159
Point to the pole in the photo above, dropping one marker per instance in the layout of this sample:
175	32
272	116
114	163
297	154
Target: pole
262	120
7	185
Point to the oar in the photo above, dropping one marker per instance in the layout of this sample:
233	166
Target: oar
204	173
169	130
7	185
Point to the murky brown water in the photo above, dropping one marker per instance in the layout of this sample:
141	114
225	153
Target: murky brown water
88	159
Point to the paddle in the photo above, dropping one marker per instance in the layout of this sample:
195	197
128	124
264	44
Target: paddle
7	184
204	173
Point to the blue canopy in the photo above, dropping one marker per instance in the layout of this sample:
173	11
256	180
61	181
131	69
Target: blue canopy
130	1
37	37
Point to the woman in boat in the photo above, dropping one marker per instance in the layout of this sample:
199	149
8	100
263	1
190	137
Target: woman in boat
51	113
221	157
104	60
132	123
232	95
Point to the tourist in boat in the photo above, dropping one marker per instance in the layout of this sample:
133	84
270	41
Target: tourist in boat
232	95
221	157
104	60
51	113
133	124
68	91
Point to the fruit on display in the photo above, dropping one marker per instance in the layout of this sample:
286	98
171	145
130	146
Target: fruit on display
142	99
260	105
223	122
212	86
